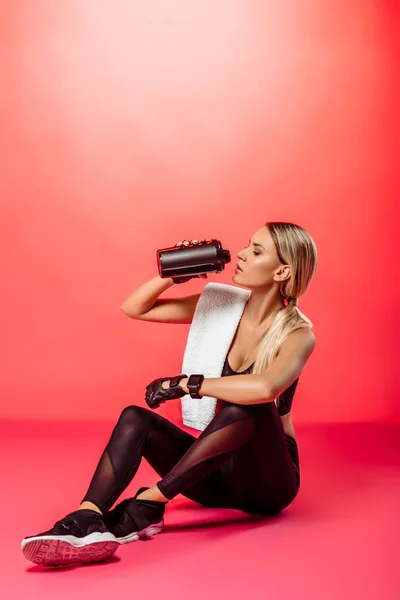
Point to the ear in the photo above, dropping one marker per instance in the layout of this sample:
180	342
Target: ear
282	273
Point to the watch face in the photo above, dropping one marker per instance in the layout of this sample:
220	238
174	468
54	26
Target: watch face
193	384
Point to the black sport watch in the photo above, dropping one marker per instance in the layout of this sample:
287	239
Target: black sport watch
193	384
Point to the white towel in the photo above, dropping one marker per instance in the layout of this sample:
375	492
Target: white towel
215	321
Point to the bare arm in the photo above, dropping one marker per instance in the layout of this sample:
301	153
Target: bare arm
266	386
238	389
143	298
144	303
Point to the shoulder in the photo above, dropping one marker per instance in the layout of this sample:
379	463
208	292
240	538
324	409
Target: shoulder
300	342
303	335
292	356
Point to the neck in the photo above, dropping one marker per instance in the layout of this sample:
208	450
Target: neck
261	307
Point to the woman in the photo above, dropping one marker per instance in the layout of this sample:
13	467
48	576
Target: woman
247	457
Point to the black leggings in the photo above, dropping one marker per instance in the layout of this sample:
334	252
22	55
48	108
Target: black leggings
243	459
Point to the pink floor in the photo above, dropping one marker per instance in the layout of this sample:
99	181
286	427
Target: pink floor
339	539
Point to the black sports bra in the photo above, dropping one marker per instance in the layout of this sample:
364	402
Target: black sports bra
283	402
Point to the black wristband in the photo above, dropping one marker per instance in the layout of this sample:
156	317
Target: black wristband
194	383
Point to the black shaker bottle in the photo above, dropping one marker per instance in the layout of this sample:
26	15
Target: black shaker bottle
185	262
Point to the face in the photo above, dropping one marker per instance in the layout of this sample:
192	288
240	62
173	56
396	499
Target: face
260	263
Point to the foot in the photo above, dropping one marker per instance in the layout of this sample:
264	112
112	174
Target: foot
133	519
80	537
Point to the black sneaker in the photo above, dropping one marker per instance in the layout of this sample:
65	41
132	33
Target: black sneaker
132	519
80	537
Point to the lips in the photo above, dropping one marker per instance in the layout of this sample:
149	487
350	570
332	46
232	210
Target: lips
238	267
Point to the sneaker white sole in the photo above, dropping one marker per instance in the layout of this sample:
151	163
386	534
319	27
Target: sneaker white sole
147	532
55	550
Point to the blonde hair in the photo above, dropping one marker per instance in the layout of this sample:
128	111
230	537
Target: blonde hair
296	248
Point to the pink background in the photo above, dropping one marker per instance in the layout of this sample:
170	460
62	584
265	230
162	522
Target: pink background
128	126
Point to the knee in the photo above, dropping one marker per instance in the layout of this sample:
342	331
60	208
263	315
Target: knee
235	412
276	507
133	414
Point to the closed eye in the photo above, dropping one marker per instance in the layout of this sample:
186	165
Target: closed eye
256	253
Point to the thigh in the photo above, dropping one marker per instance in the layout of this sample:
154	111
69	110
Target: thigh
263	474
215	490
165	442
165	445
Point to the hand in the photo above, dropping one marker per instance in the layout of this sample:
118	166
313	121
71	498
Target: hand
165	388
186	278
187	243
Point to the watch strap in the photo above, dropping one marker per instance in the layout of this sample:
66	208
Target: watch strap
193	384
